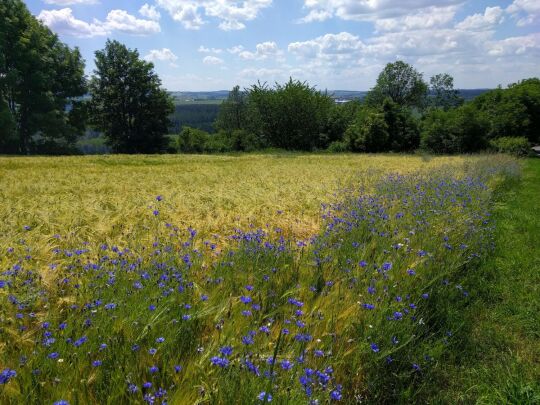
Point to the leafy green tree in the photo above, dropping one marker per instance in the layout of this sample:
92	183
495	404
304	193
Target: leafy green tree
442	92
340	117
403	129
514	111
369	132
128	104
290	116
41	81
402	83
461	130
233	111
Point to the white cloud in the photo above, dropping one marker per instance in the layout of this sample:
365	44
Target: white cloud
203	49
235	49
212	60
525	11
64	22
528	44
149	12
164	54
367	10
492	16
232	14
121	20
262	51
431	17
327	46
70	2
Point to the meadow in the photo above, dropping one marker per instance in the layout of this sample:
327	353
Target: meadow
280	278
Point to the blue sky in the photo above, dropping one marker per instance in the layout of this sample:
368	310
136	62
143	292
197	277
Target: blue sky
333	44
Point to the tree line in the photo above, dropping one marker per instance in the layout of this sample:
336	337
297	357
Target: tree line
47	103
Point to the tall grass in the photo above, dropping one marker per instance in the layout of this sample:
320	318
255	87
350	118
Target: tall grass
361	310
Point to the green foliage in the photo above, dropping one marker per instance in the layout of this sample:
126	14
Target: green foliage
338	147
193	140
128	104
290	116
196	115
403	130
39	79
442	92
518	146
233	112
339	118
514	111
369	133
402	83
461	130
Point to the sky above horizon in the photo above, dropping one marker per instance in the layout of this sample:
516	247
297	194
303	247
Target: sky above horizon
202	45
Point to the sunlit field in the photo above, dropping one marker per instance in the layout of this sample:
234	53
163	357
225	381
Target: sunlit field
100	199
236	279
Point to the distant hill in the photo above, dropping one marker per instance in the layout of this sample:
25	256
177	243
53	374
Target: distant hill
215	97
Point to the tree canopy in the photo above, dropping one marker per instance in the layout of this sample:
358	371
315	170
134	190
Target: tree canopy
128	104
41	82
402	83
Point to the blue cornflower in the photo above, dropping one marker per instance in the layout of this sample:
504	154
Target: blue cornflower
153	369
160	340
286	364
375	348
219	361
152	307
132	388
177	368
147	384
368	306
247	340
411	272
318	353
246	299
61	402
336	395
416	367
156	213
53	355
6	375
97	363
425	296
226	350
263	396
159	198
152	351
110	306
398	315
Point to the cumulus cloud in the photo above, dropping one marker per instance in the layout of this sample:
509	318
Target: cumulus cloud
367	10
431	17
526	12
150	12
64	22
70	2
164	54
528	44
232	14
235	49
262	51
212	60
491	17
121	20
203	49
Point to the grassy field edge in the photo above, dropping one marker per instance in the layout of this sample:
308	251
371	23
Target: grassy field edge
500	358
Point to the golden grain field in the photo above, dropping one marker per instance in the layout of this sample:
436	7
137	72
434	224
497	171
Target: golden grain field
100	198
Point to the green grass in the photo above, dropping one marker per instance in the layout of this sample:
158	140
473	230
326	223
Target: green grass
500	361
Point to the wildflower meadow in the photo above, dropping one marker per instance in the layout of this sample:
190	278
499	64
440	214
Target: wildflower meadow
360	306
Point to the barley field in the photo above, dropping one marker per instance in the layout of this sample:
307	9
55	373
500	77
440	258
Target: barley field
282	278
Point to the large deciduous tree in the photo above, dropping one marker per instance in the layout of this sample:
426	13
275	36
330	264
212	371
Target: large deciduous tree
128	104
402	83
442	92
41	81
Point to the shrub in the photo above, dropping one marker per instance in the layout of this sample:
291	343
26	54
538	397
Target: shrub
518	146
337	147
369	133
